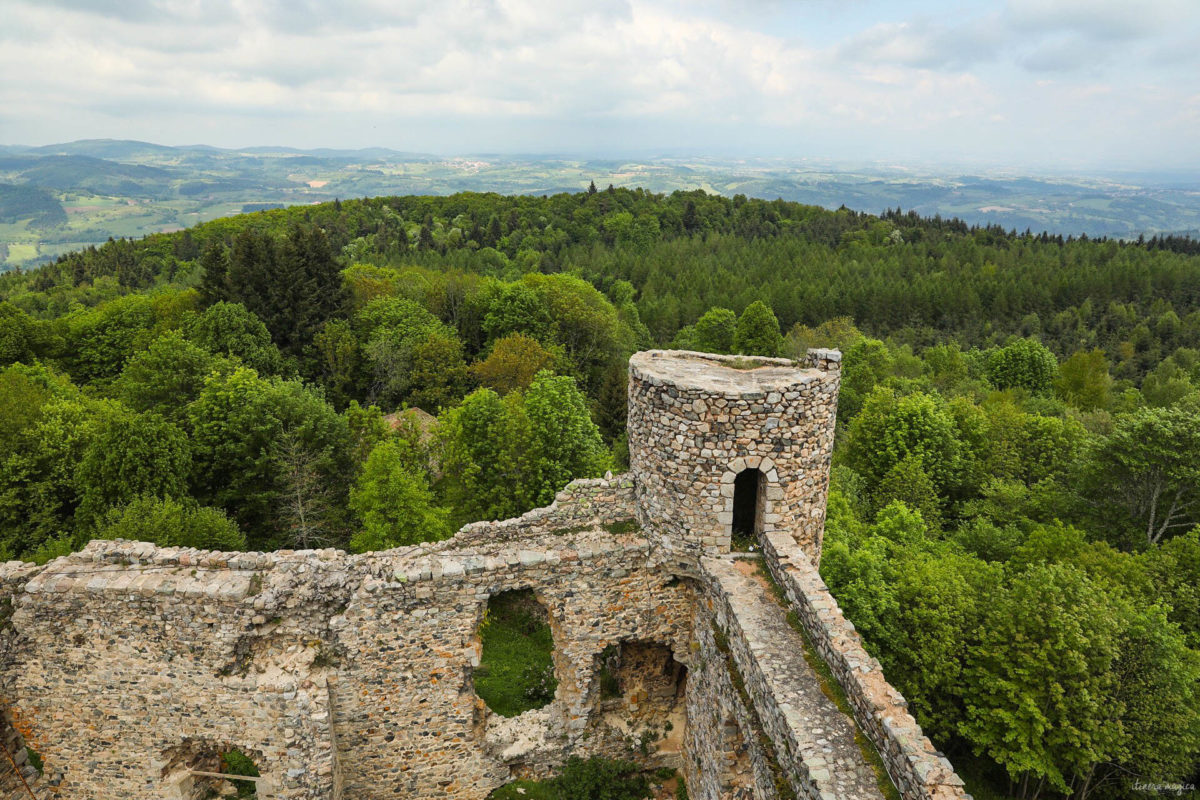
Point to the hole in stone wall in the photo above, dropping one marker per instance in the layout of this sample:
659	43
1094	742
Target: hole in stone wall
748	493
640	692
202	770
516	667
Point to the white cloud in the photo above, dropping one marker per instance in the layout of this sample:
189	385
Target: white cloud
613	75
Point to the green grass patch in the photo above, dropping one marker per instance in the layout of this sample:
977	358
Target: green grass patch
744	363
35	759
741	542
593	779
19	252
623	526
516	669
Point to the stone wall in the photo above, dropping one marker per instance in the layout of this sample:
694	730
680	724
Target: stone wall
696	420
130	655
335	673
915	766
725	757
809	745
410	723
582	505
13	730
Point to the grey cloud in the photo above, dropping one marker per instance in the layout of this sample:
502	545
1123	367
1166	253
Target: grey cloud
1065	54
925	44
146	12
129	11
535	74
1037	35
1107	20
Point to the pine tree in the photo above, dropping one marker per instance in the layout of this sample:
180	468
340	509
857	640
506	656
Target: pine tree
214	284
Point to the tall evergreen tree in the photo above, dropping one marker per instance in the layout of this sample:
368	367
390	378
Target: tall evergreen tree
293	286
214	283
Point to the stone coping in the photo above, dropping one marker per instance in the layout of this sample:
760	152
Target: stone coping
919	771
138	568
716	374
107	565
813	738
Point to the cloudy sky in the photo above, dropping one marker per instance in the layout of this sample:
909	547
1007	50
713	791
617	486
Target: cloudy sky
1033	83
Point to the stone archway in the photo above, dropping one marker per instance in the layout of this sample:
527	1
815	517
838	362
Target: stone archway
748	486
749	490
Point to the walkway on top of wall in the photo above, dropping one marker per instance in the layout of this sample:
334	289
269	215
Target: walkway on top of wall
814	740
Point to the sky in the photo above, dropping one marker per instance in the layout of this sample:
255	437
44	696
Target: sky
1029	84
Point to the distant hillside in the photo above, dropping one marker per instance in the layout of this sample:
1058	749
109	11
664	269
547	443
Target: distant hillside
37	205
112	188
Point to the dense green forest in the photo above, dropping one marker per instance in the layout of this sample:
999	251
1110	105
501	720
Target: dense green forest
1012	519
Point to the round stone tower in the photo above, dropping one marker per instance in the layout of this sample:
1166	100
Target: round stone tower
732	446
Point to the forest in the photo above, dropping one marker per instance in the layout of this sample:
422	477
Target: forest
1013	511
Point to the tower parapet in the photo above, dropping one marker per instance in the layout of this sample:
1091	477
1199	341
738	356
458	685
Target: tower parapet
720	445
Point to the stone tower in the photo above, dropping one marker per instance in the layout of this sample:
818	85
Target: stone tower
724	444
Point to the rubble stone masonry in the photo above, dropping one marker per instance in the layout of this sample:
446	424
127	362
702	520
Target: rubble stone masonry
697	420
128	669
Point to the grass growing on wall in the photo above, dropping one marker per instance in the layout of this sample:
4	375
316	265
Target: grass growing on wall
516	669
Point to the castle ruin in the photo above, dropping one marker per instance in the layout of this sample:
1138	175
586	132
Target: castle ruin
129	669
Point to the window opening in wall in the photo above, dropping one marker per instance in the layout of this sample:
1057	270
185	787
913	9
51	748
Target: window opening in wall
747	509
516	667
203	770
235	762
640	692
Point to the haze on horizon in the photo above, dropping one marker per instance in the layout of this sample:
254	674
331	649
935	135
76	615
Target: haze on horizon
1033	84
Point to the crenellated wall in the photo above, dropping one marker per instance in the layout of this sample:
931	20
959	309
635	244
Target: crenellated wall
130	668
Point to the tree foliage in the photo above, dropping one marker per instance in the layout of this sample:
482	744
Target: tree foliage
394	503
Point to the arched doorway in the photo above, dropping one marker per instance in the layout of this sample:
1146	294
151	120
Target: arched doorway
748	494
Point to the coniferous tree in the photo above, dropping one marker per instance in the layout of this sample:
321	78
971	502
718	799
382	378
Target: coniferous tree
293	286
214	283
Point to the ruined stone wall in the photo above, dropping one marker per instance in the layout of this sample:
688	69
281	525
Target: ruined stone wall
696	420
14	730
128	656
127	666
809	745
725	758
915	766
594	504
410	723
